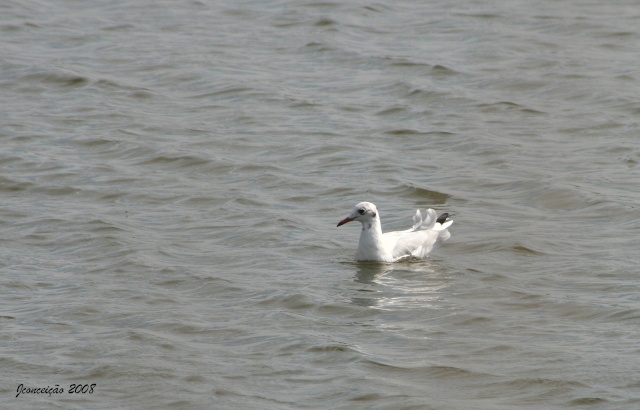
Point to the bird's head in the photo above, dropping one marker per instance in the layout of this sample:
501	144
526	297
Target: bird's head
363	212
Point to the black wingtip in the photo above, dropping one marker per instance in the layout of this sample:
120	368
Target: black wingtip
442	218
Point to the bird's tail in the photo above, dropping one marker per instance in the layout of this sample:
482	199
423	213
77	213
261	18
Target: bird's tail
443	222
431	221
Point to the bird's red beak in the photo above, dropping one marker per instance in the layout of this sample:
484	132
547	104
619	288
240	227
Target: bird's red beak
344	221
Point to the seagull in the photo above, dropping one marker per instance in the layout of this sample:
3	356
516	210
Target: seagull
418	241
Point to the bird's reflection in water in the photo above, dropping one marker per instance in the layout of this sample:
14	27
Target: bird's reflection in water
370	272
407	285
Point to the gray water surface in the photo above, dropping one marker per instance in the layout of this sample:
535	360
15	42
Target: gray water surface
172	174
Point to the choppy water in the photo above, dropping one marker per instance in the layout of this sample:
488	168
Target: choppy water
172	173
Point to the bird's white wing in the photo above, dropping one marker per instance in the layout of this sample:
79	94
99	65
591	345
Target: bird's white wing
417	220
420	224
430	221
420	240
417	244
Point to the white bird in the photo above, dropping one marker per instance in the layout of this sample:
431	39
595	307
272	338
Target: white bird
418	241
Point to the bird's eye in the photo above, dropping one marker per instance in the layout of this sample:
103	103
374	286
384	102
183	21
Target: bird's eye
361	211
